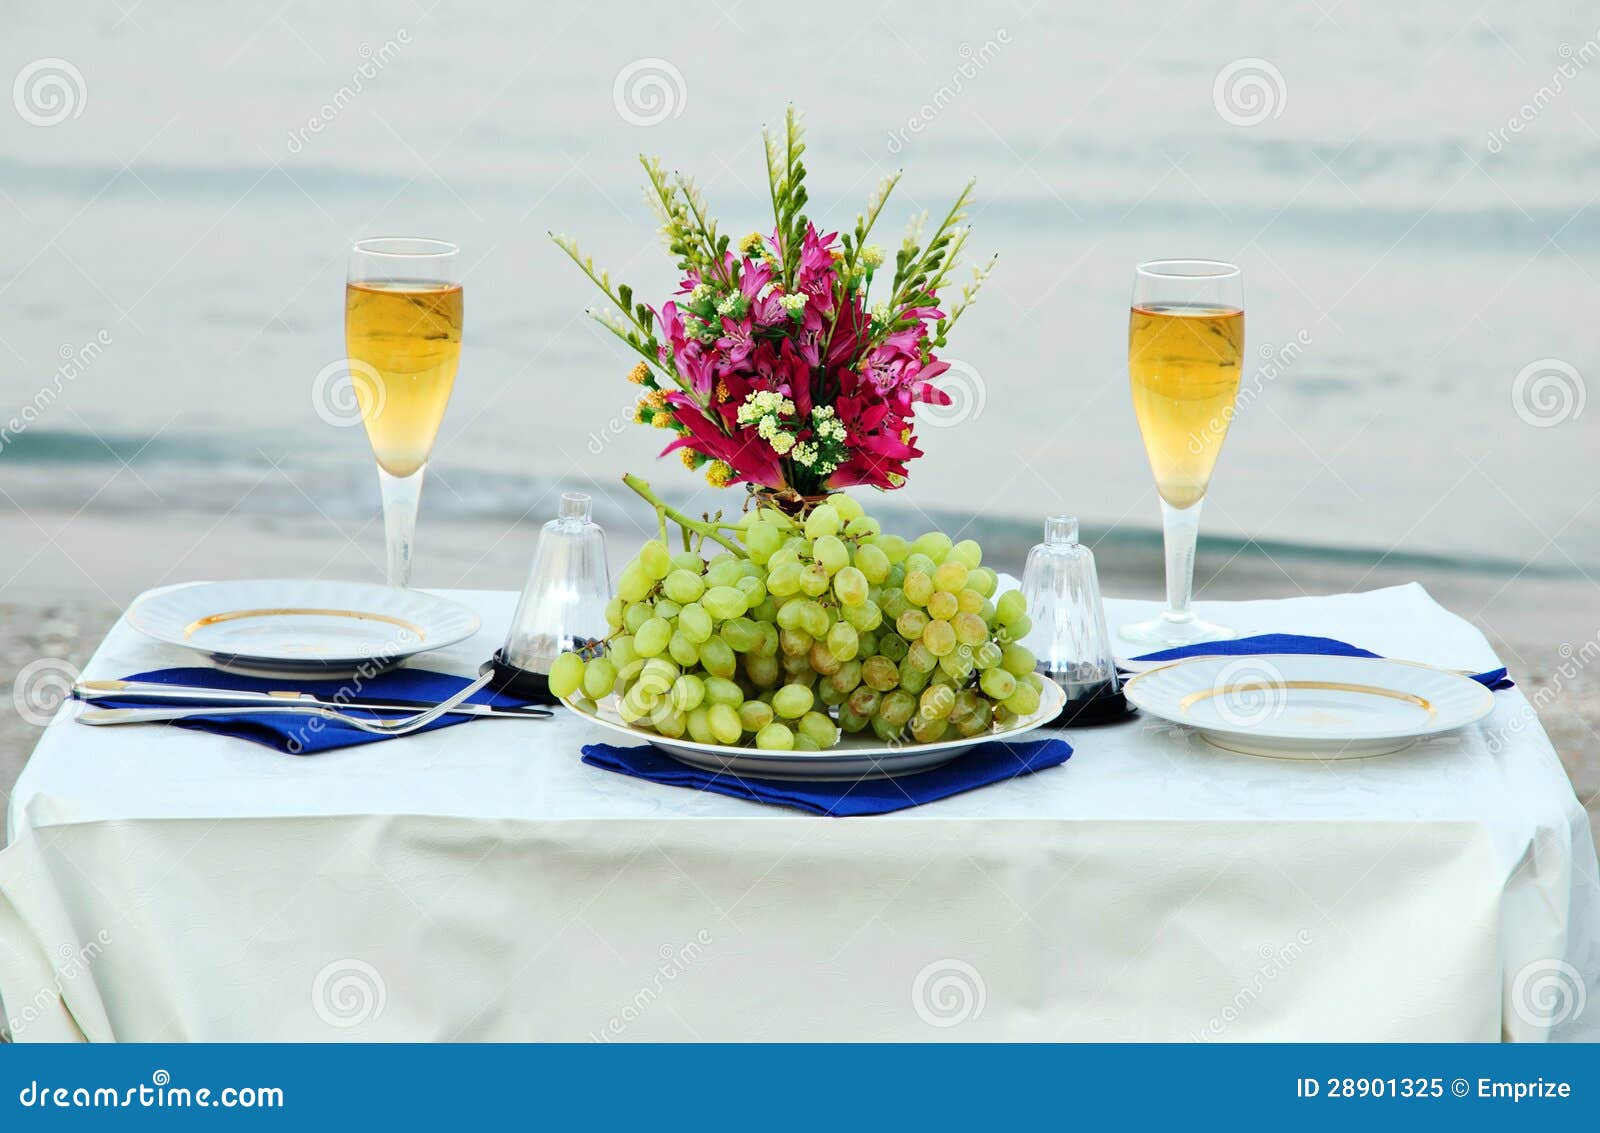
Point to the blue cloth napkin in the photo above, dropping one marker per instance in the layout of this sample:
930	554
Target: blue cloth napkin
989	763
308	735
1494	679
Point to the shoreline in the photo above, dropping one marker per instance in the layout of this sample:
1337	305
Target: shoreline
73	575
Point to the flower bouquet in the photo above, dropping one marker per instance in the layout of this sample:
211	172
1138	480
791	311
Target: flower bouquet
773	365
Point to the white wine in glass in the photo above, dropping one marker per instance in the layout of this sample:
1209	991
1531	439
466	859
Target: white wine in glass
1185	352
402	329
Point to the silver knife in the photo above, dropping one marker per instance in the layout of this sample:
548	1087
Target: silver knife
198	697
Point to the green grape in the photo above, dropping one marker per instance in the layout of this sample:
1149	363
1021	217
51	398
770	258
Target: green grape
762	671
806	743
967	553
934	544
926	730
897	575
969	601
700	727
794	642
775	736
912	624
754	715
894	548
655	560
918	587
634	705
950	575
819	728
842	641
1010	606
724	602
717	658
776	518
864	701
761	539
829	553
652	637
919	657
1016	660
848	507
657	676
766	644
957	663
784	579
897	707
668	721
885	731
823	520
687	692
851	722
864	617
633	584
862	527
970	629
666	608
936	702
850	586
880	673
997	683
740	633
872	562
966	703
754	589
790	615
682	650
566	675
1025	701
848	677
822	661
814	580
828	696
943	605
1017	630
725	570
599	677
787	555
792	701
720	690
694	623
815	619
939	637
978	722
620	650
682	586
984	581
869	644
894	604
765	611
626	674
726	725
614	613
636	615
689	561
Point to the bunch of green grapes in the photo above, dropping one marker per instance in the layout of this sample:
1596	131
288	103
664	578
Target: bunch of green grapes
822	625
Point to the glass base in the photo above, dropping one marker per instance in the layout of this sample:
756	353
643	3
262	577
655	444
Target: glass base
1166	632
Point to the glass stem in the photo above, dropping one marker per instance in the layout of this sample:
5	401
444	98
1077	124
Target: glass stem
1179	529
401	495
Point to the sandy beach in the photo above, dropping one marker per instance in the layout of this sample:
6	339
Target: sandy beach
68	590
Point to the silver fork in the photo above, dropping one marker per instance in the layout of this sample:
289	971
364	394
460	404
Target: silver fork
400	727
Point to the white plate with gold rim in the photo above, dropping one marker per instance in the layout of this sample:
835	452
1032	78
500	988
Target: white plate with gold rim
852	758
1294	706
303	626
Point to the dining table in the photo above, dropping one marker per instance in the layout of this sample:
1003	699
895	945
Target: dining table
481	882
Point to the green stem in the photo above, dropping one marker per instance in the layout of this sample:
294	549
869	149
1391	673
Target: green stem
667	511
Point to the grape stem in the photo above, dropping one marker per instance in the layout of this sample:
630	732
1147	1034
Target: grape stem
665	511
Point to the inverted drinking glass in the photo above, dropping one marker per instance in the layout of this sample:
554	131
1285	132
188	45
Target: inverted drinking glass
402	329
1185	350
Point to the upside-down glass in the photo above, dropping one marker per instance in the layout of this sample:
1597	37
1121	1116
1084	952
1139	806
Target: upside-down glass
402	331
1185	350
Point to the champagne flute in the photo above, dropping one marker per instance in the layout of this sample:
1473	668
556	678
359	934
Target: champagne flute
402	332
1185	349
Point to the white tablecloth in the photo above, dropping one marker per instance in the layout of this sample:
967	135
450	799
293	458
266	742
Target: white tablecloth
481	883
